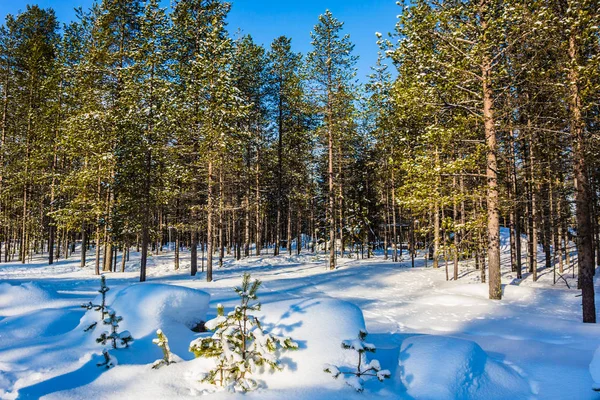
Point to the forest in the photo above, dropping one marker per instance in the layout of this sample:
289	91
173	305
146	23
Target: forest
136	126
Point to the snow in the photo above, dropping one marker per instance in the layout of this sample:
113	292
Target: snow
595	370
19	299
438	339
147	307
441	367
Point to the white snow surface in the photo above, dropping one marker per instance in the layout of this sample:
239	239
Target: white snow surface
439	339
595	370
440	367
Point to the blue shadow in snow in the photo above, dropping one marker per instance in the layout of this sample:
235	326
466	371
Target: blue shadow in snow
87	373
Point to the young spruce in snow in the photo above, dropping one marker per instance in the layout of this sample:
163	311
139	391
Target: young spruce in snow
239	343
354	378
124	337
109	361
162	342
98	307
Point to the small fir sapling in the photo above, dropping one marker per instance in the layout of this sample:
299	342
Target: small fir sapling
239	343
162	342
124	337
109	361
98	307
353	377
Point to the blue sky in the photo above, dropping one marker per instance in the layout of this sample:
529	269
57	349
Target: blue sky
267	19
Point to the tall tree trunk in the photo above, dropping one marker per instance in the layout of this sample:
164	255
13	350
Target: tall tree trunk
534	210
331	194
176	249
221	211
493	222
257	205
299	232
289	228
83	244
585	253
194	252
515	209
436	213
394	232
209	227
247	222
455	219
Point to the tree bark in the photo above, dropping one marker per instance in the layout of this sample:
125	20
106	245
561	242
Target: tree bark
585	253
209	227
493	223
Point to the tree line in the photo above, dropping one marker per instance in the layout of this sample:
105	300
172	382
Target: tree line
136	126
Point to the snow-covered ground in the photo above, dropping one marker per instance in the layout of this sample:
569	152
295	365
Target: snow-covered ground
439	339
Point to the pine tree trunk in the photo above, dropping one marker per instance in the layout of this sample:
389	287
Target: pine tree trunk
560	246
393	206
83	245
247	223
289	228
515	212
124	257
257	205
3	144
176	249
585	253
209	227
331	197
299	232
341	200
194	253
386	219
221	242
534	211
493	223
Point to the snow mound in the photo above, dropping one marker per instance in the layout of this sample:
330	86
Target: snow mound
595	370
318	326
19	299
147	307
439	367
37	324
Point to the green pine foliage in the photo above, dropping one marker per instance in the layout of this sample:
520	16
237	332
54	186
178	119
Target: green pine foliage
163	342
135	125
240	344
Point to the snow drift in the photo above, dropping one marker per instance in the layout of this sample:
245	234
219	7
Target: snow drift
19	299
595	370
318	326
439	367
147	307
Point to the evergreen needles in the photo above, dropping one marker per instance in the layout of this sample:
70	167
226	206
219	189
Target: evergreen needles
239	343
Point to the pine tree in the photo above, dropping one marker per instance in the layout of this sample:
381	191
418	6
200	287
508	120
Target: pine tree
109	360
98	307
116	338
285	93
141	152
162	342
331	66
249	72
239	343
364	368
211	103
